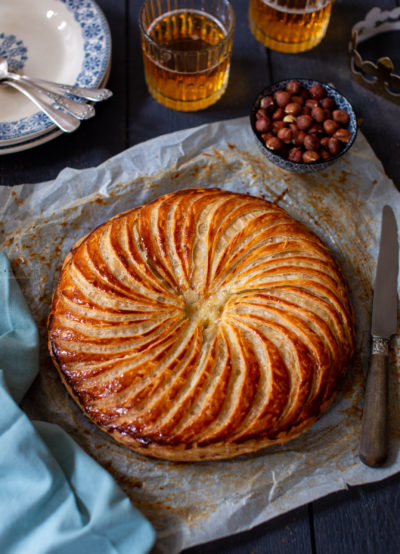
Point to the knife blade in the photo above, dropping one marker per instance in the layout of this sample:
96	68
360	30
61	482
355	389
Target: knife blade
373	444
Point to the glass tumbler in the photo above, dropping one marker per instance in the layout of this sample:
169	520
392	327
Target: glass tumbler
187	49
289	25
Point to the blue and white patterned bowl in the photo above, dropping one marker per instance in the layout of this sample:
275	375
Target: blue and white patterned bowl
67	41
301	167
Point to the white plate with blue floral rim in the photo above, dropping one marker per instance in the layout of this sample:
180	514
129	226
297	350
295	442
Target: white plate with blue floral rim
42	138
67	41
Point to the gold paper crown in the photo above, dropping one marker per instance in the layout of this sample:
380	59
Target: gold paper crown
379	77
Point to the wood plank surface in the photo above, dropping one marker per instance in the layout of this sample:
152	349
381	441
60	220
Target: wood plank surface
285	534
361	520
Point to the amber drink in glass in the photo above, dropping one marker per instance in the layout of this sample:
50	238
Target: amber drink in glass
186	51
289	25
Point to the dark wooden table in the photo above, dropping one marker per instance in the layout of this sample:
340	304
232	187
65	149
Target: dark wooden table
361	520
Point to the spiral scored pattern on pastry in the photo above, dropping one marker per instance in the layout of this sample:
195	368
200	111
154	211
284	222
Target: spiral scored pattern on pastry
204	325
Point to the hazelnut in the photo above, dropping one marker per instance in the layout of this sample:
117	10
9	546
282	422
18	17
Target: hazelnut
266	136
330	126
334	146
289	118
263	125
317	92
325	155
278	114
295	154
305	110
340	116
311	103
316	128
343	135
310	156
293	108
318	114
293	87
282	98
267	103
278	125
274	143
324	142
285	134
261	112
327	103
298	100
304	121
298	138
311	142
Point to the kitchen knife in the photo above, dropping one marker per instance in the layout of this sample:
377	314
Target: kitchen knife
373	444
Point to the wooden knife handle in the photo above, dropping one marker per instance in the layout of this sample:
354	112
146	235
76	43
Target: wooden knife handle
373	444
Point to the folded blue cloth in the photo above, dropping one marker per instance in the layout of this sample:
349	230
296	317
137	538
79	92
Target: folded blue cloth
54	498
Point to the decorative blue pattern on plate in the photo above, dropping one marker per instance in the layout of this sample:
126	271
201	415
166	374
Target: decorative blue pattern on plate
97	45
24	126
97	53
14	51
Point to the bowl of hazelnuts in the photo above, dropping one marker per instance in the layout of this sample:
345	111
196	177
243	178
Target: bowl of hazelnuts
303	125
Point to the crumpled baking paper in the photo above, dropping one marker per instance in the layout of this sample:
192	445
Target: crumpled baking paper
191	503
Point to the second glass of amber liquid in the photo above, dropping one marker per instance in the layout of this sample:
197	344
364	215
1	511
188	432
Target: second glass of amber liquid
187	51
289	25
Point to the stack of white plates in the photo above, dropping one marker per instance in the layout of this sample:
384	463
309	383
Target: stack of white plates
67	41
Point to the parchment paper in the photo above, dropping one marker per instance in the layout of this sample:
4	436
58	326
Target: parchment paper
197	502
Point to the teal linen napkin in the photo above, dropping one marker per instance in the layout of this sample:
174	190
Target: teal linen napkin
54	498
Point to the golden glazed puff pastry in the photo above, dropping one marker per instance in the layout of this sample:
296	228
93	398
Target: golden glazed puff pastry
204	325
